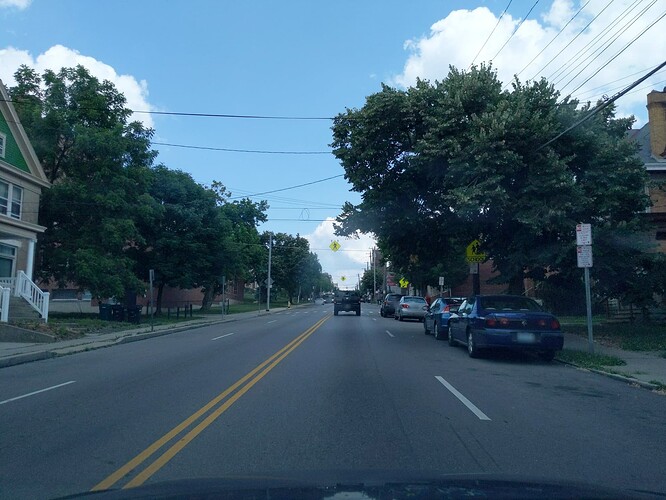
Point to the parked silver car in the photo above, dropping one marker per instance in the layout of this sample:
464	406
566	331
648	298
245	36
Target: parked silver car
411	306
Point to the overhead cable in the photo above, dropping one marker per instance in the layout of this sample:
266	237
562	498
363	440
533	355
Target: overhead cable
491	34
603	105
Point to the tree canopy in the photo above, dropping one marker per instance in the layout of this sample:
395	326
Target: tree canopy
441	164
112	214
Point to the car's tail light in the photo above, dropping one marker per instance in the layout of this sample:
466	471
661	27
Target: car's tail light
405	306
491	322
554	324
504	321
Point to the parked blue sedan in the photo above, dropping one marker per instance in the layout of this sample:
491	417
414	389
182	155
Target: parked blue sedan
505	322
436	321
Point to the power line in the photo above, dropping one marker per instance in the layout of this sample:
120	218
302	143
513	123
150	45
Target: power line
554	38
621	51
231	150
603	105
572	40
517	28
227	115
491	34
291	187
603	49
561	73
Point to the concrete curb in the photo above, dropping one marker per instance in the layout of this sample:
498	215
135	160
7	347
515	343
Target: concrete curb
621	378
54	352
20	359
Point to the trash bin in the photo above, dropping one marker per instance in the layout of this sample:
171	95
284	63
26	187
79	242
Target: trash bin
105	312
117	312
134	314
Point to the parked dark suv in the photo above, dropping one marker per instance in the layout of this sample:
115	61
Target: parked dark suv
387	308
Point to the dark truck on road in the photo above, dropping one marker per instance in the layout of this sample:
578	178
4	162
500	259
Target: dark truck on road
347	300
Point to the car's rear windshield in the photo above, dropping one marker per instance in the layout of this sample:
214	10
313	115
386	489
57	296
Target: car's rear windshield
508	304
414	299
395	296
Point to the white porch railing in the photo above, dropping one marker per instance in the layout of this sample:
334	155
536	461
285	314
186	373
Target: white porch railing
5	293
8	283
33	295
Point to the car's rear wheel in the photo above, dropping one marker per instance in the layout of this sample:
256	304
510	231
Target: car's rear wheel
425	328
358	313
435	329
547	355
400	318
452	342
472	350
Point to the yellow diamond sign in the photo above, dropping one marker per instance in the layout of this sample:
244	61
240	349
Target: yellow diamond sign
342	278
335	246
473	254
403	283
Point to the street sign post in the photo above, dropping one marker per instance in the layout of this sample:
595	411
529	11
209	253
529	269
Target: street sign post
151	278
474	257
584	260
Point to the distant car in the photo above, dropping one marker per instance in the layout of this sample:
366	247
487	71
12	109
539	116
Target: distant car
439	313
412	307
387	307
347	301
505	322
319	301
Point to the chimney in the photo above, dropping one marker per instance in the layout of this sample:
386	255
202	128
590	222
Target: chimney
656	105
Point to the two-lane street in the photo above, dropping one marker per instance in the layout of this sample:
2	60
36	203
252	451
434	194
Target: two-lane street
300	393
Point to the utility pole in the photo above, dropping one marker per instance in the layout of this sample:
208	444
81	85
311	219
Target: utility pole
374	275
269	281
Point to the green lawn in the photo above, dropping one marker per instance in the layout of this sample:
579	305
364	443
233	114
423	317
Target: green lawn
587	360
636	336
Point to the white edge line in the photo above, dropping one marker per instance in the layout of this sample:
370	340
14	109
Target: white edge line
472	407
273	321
222	336
36	392
390	334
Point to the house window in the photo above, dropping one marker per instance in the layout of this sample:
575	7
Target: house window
3	141
7	258
11	198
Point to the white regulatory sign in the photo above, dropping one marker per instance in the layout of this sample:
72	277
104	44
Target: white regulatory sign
584	255
441	281
583	234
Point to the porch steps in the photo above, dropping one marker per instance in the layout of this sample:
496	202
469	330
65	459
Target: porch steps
20	310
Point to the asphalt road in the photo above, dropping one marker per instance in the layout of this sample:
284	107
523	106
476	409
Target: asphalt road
304	394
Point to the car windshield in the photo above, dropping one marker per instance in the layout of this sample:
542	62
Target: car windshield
236	238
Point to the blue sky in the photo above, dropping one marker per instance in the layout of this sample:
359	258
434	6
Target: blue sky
312	59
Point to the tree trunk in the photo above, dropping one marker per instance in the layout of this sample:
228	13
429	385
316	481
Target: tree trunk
158	305
517	284
209	294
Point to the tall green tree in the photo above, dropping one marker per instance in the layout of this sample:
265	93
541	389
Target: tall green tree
177	234
99	163
234	251
441	164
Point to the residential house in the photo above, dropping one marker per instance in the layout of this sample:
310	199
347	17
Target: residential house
21	182
651	139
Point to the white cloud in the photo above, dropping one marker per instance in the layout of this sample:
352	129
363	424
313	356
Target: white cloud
19	4
58	56
456	39
350	261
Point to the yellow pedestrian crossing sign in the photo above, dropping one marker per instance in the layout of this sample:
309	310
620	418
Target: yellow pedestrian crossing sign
472	253
403	283
335	246
342	278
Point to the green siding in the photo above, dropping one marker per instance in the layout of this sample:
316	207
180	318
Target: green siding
13	154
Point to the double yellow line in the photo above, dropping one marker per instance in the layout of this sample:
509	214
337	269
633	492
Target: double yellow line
241	386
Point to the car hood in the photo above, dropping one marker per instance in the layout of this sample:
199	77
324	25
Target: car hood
371	485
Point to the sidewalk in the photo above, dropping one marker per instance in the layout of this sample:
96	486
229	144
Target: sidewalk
14	353
643	368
